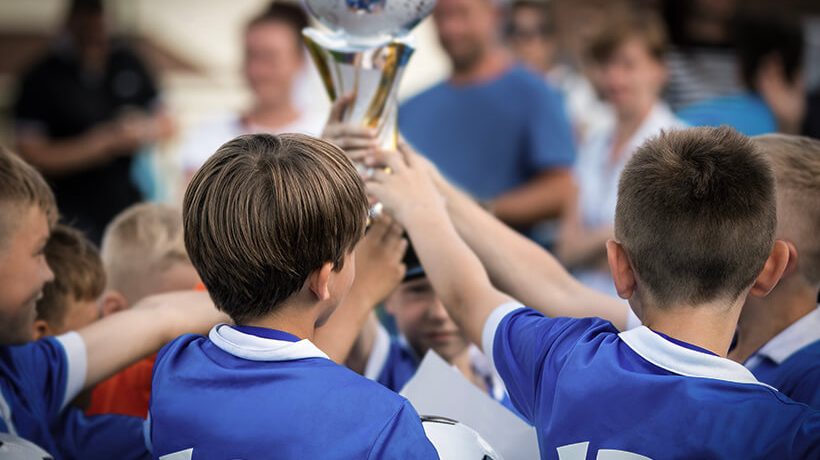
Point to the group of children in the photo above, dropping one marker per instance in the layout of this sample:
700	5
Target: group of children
715	250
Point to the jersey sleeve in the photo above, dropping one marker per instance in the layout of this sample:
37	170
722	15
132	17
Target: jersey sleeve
403	438
101	436
807	390
56	367
549	135
528	349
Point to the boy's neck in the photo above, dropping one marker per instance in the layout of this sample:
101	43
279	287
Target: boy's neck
708	326
765	318
298	320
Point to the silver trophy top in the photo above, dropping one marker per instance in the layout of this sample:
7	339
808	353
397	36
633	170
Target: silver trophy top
369	23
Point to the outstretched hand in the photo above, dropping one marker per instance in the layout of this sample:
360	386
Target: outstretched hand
357	141
379	267
406	187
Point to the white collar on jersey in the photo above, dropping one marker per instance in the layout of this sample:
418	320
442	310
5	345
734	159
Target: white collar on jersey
256	348
802	332
683	361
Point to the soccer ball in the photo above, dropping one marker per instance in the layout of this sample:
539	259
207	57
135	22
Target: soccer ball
16	448
456	441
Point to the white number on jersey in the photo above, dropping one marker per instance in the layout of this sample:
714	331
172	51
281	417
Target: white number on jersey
186	454
579	450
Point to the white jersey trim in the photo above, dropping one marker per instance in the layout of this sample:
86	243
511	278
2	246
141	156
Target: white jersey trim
77	364
255	348
683	361
794	338
378	354
491	326
5	414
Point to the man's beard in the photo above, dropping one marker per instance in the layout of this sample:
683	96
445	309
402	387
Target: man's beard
467	60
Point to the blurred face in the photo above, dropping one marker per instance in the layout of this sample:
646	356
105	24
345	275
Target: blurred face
422	319
23	272
632	79
79	314
466	29
529	39
273	58
90	32
180	276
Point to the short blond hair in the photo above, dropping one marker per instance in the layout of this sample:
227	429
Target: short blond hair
796	164
143	240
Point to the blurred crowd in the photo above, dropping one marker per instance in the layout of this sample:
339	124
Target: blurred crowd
545	104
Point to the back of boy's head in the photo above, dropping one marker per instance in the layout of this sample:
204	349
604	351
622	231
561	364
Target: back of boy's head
696	215
21	187
142	242
796	164
78	274
264	212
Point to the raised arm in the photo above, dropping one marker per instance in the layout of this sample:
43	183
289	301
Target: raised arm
379	269
119	340
518	266
456	273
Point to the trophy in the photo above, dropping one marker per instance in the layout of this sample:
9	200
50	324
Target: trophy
365	54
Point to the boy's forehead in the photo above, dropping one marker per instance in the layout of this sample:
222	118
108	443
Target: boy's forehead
21	224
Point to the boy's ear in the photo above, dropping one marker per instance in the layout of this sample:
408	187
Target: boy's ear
319	282
621	269
781	262
41	329
112	302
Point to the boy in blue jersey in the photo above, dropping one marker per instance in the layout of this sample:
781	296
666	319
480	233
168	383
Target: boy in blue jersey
270	224
39	379
69	303
779	335
695	236
423	324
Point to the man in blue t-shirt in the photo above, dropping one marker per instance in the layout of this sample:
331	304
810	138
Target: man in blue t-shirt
661	390
262	388
494	128
778	335
38	379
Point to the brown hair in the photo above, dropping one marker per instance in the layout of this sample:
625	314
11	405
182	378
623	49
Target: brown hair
264	212
78	274
291	15
696	215
796	164
646	26
20	186
145	238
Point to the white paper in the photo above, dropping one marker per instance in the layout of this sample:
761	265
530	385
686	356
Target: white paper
438	388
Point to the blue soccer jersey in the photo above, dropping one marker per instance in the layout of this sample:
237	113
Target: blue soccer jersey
247	392
790	361
37	381
393	363
593	392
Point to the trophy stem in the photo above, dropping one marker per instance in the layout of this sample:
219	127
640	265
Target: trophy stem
370	75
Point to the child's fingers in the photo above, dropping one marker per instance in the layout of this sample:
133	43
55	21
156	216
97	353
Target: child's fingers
394	233
400	250
378	229
394	161
408	154
337	110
